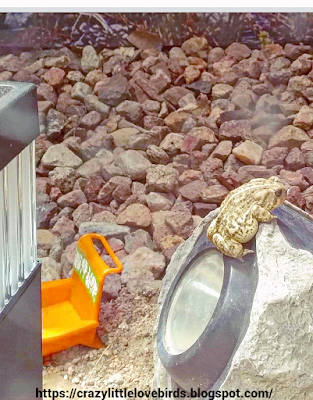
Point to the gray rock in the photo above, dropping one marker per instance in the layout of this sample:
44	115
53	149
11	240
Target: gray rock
50	270
159	201
55	123
130	110
56	250
114	91
139	238
60	156
161	178
145	259
64	178
90	168
80	91
94	104
90	59
133	164
105	229
121	136
112	286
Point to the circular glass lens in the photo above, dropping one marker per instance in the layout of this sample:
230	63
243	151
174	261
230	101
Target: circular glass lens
194	302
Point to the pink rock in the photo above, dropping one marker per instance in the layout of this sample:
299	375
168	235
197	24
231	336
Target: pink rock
274	156
192	191
294	179
214	194
65	228
211	168
189	176
92	187
307	173
295	196
55	193
72	199
180	222
295	159
54	77
136	215
235	130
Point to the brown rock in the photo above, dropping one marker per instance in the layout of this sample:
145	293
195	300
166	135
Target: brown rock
249	152
181	223
304	118
294	179
176	120
83	213
214	194
169	245
289	136
72	199
192	191
161	178
295	159
238	51
172	143
65	229
295	196
54	77
235	130
211	168
222	150
274	156
92	187
136	215
174	94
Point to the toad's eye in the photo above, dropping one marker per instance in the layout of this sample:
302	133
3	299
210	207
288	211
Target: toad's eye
278	192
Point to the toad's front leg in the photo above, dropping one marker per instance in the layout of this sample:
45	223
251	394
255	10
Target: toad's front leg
261	214
230	247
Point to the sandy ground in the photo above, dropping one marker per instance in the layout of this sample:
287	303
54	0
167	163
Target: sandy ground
126	361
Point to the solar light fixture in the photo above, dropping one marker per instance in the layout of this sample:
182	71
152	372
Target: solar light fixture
207	301
20	311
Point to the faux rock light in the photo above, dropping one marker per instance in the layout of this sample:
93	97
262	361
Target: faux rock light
257	332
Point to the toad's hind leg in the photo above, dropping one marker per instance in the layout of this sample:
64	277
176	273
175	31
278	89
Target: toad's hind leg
230	247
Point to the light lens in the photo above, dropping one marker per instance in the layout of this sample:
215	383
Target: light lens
194	302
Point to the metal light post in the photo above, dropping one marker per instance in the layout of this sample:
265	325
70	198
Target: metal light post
20	309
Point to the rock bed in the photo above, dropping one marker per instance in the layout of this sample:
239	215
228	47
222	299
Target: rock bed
139	145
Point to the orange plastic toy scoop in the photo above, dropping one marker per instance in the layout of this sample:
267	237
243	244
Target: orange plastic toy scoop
70	307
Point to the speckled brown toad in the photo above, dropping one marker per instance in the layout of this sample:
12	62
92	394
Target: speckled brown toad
240	212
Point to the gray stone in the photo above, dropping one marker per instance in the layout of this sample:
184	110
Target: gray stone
50	270
64	178
145	258
94	104
139	238
80	91
133	164
60	156
121	136
90	59
105	229
112	286
114	91
161	178
158	202
131	110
